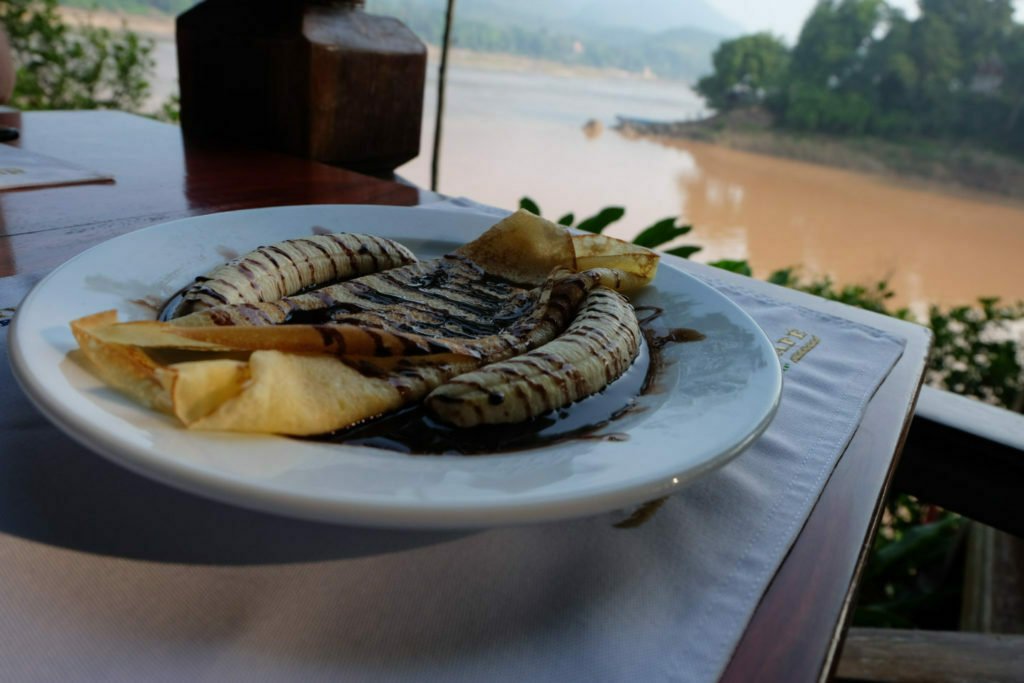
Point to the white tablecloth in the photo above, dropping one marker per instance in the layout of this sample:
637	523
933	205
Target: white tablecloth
108	576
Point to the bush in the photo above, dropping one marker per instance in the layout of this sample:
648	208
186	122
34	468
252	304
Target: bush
976	353
74	67
977	350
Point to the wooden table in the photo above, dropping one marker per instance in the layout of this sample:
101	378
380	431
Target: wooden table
798	626
158	178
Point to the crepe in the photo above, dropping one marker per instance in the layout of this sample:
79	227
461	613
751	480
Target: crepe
510	290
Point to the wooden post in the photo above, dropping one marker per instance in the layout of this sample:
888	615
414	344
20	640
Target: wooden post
6	68
993	598
315	78
435	157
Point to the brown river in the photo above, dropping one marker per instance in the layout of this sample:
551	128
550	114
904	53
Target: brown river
509	134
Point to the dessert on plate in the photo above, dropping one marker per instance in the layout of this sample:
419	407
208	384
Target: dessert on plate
317	334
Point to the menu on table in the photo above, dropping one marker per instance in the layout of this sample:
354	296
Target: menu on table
20	169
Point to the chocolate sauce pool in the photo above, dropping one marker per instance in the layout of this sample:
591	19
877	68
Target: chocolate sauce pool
414	431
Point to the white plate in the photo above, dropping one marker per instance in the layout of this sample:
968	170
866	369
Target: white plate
712	400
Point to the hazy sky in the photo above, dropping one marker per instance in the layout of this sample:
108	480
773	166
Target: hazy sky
784	17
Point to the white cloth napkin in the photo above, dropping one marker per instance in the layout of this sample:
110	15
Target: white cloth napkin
108	576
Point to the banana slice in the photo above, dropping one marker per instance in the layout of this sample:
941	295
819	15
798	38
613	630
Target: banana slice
598	346
288	267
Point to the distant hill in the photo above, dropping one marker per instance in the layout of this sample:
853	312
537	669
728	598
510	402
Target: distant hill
599	33
656	15
650	16
644	15
671	38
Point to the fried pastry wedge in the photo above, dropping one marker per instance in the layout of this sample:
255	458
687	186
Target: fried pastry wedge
330	358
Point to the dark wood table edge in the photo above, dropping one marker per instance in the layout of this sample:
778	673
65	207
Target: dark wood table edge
751	660
846	615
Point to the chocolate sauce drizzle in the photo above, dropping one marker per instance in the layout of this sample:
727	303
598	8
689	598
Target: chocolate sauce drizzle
166	312
414	431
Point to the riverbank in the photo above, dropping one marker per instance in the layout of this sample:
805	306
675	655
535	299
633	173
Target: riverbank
926	163
160	28
503	61
151	25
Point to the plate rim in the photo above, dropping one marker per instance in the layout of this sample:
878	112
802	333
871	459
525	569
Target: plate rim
242	492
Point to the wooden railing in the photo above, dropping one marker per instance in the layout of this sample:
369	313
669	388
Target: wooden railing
967	457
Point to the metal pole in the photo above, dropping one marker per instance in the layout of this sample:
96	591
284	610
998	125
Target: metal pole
441	73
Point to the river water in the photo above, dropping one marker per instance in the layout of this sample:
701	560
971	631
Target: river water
509	134
512	133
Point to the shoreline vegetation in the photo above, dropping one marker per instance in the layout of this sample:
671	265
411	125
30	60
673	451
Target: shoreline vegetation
938	97
931	164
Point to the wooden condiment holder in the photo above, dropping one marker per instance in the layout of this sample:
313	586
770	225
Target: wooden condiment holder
319	79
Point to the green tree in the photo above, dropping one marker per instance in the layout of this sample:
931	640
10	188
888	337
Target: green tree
756	62
74	67
834	41
861	67
829	88
979	28
936	53
1013	79
892	75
